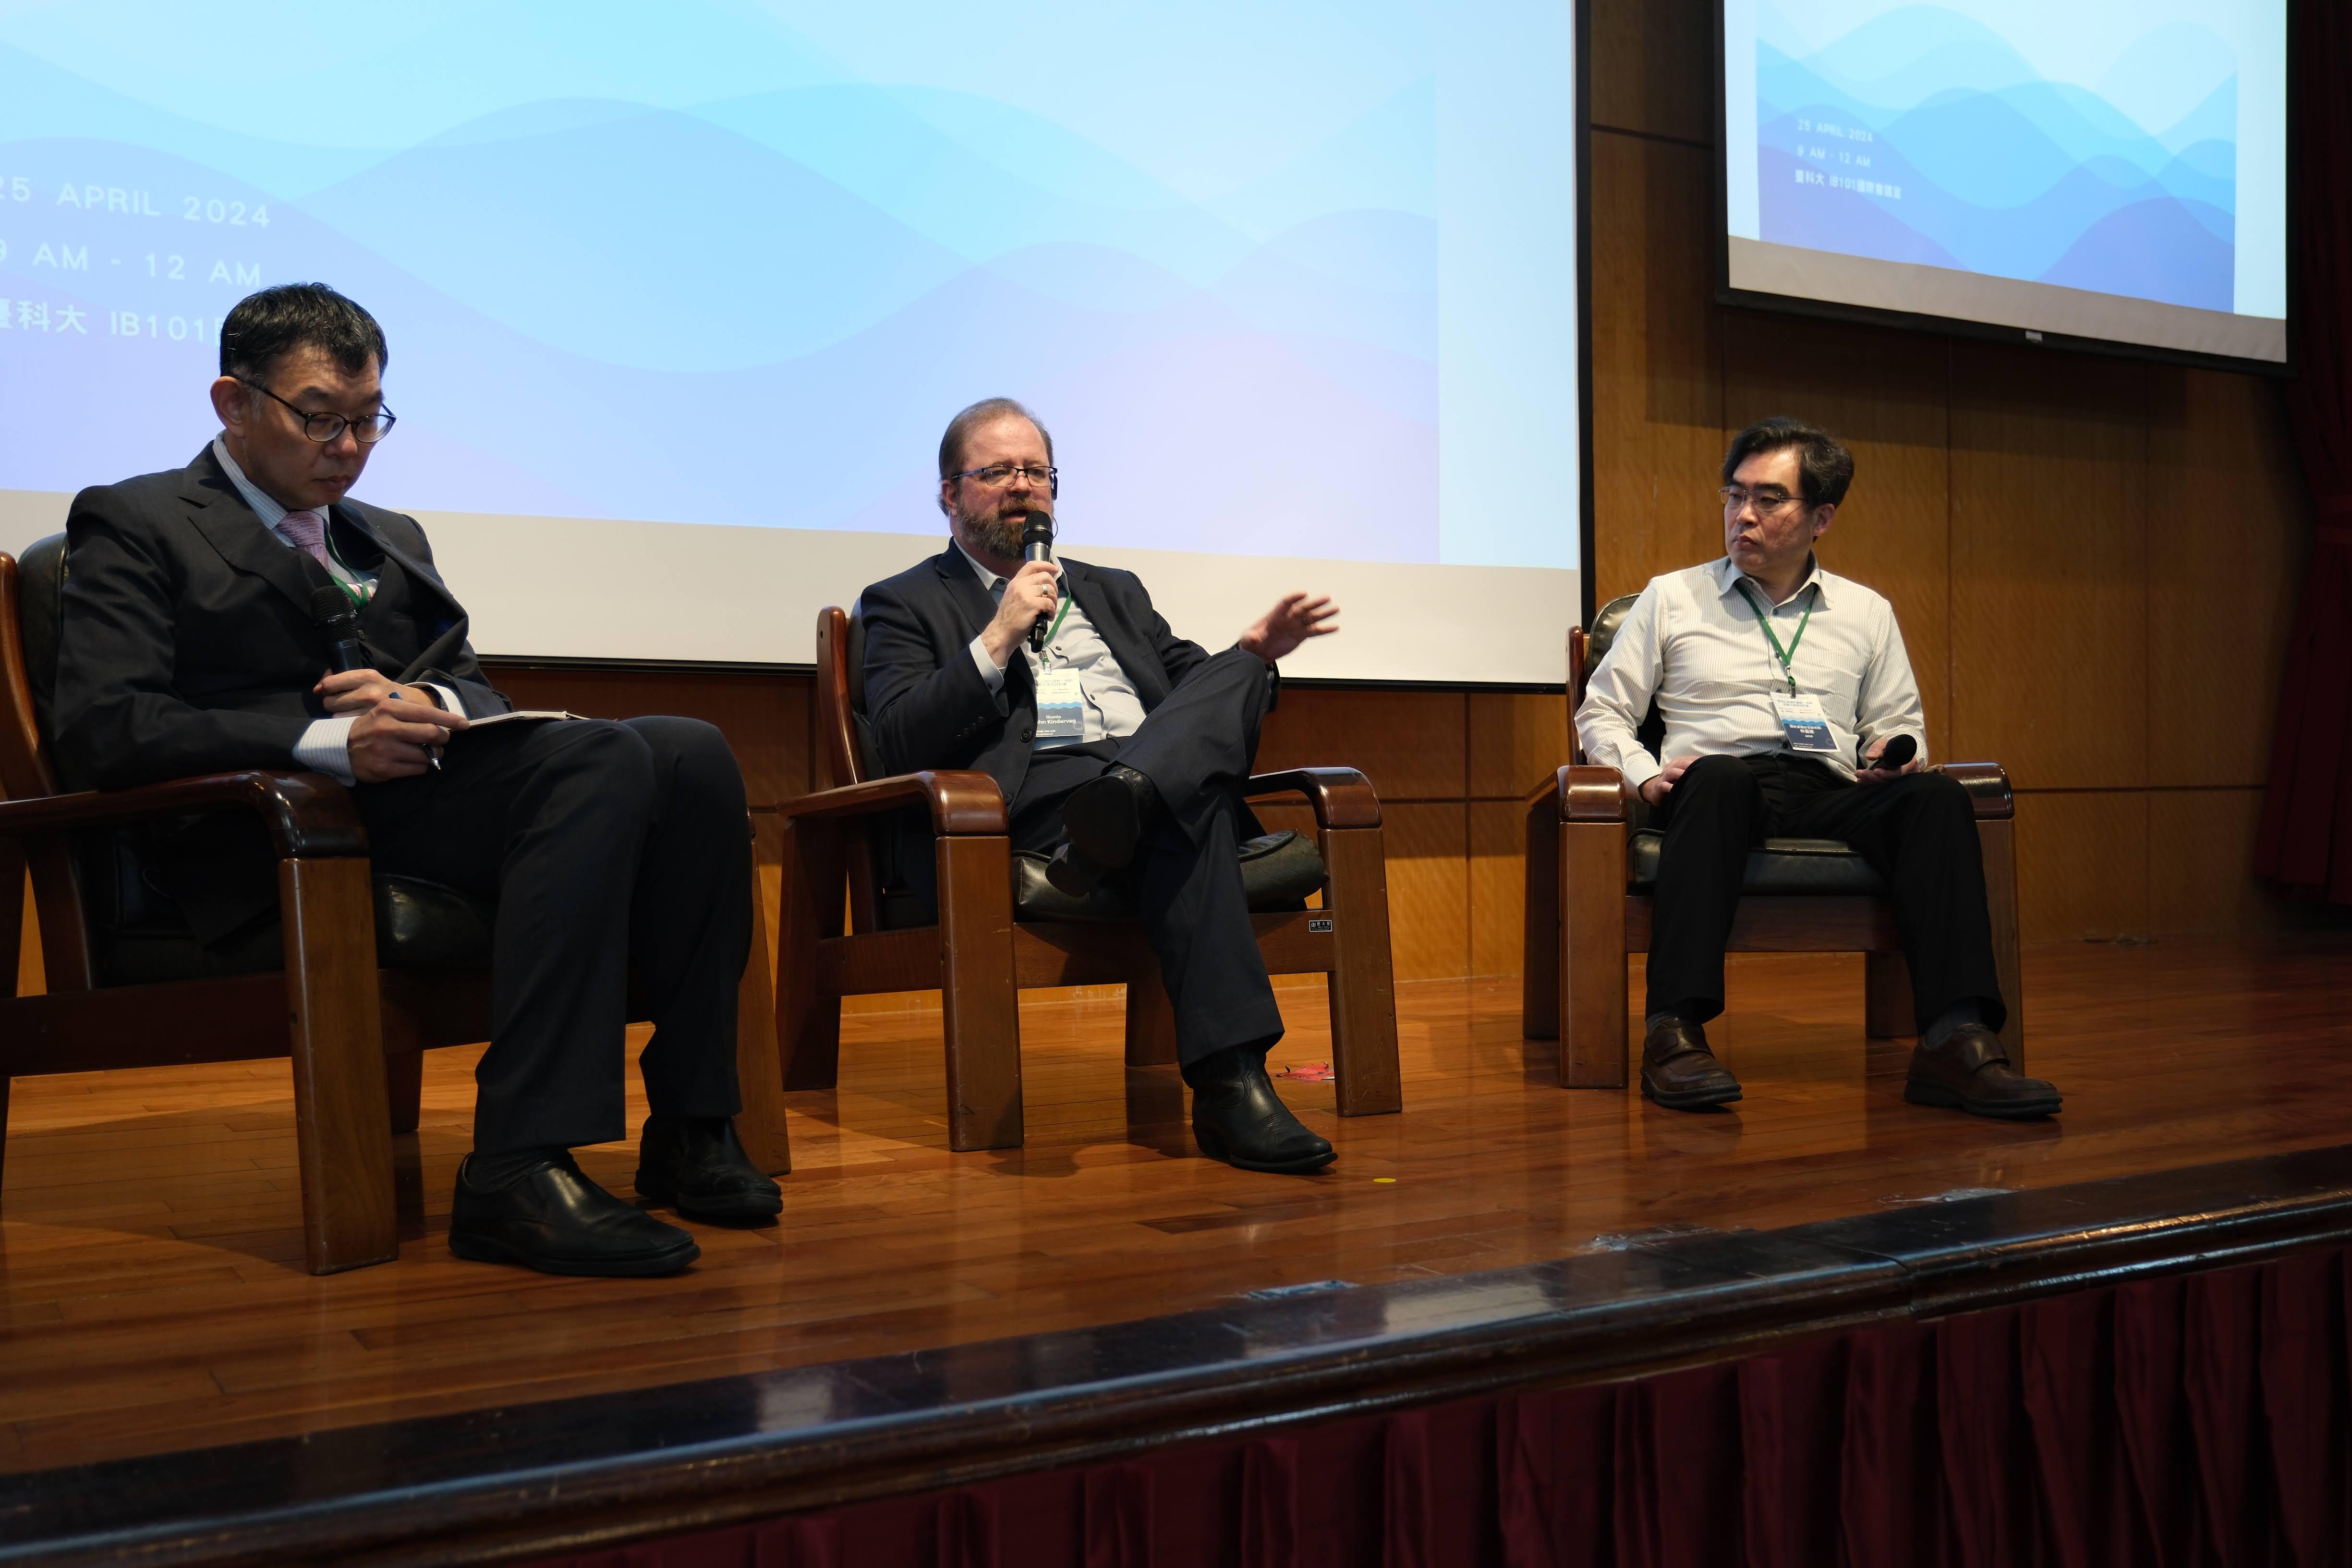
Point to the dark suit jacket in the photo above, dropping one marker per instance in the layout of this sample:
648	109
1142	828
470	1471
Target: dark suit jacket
187	647
925	700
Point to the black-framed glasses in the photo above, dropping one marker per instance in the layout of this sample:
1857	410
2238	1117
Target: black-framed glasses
996	476
367	430
1767	502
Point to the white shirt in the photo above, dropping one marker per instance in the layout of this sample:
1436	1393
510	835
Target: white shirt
326	746
1692	642
1110	707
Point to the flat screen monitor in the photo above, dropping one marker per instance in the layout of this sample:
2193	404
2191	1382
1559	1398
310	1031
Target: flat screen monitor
2109	172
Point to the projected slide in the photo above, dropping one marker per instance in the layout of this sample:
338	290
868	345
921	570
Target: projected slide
729	263
2105	169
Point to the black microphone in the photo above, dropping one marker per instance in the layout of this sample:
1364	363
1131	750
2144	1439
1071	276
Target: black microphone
1037	544
1899	752
331	608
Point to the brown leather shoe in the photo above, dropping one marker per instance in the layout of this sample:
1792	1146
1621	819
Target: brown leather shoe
1680	1073
1971	1071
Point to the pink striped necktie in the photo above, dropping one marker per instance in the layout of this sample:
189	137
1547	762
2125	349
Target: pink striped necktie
308	529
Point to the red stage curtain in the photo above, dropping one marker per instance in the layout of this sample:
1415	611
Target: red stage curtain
2307	832
2189	1422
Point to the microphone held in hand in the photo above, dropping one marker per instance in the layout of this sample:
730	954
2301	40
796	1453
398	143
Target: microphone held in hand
1037	544
1899	751
330	607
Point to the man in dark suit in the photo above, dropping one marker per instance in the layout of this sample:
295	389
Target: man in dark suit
1120	747
190	644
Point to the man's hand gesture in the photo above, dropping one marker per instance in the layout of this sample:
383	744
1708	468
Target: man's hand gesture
1294	618
1031	595
399	730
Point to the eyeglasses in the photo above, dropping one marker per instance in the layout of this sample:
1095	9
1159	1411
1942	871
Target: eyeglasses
1736	497
997	475
367	430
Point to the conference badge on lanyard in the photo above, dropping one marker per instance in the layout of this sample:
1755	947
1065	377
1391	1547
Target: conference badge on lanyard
1802	723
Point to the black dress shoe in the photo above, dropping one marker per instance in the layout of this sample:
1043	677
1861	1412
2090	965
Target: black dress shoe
697	1165
1073	874
1106	816
1969	1071
1238	1117
1680	1073
548	1216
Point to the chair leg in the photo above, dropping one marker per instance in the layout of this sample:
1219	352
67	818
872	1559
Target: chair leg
1363	978
758	1071
1592	956
1539	961
1998	841
808	1025
342	1118
403	1078
1886	996
1150	1023
981	1004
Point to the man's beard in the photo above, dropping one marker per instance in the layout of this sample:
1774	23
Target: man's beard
997	529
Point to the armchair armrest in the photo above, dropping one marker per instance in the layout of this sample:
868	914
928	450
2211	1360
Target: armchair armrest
962	804
1988	787
308	815
1342	797
1585	794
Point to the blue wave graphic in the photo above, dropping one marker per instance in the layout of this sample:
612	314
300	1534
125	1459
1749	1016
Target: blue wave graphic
1921	136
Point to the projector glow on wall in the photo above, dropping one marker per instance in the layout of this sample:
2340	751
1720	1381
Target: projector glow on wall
2104	170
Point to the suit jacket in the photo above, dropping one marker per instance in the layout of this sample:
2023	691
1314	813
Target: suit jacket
925	700
187	646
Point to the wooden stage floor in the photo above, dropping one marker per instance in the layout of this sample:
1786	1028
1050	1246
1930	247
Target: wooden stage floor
151	1297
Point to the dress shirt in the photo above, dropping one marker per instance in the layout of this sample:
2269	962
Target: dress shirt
326	746
1111	707
1691	642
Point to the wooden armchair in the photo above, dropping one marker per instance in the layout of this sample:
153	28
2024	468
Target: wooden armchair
961	920
1591	860
367	973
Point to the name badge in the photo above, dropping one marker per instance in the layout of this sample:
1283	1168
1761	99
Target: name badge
1061	708
1804	723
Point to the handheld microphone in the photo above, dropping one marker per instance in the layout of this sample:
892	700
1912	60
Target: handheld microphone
1899	752
1037	544
333	613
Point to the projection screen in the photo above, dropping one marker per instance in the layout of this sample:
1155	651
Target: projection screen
2112	172
679	298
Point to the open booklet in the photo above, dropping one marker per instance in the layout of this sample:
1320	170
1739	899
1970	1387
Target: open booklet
519	715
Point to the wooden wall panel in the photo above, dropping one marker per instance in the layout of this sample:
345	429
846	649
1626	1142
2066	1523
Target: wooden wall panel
1657	383
2050	565
1409	743
2083	866
1652	68
1885	395
1429	891
2200	864
766	716
1498	885
1517	739
2225	547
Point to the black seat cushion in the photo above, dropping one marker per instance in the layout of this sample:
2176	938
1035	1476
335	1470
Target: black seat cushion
1779	866
418	925
1279	871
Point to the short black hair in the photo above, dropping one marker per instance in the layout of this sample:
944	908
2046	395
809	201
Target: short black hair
262	329
1825	468
986	410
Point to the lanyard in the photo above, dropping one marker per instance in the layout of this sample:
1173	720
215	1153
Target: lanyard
1059	615
1765	620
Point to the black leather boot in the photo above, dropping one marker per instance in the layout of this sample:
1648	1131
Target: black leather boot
1238	1117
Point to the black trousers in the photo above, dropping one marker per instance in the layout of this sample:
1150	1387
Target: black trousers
1196	748
1919	831
616	851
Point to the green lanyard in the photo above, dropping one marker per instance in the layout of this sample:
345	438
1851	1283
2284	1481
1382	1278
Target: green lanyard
1765	620
1058	616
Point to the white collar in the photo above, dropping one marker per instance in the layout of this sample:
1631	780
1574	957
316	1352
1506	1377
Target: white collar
989	578
268	510
1728	576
